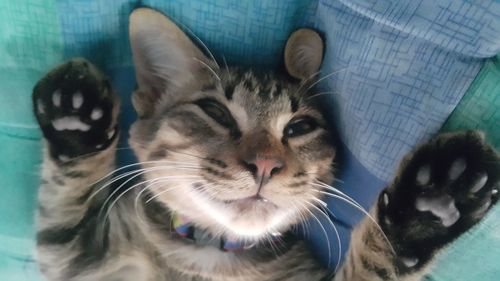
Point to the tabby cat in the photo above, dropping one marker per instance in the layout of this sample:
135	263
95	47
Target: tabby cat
230	159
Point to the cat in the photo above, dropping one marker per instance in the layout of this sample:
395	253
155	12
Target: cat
230	159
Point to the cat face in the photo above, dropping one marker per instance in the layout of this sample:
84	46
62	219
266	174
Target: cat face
234	150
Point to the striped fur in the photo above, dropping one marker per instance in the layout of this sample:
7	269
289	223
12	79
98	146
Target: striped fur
201	132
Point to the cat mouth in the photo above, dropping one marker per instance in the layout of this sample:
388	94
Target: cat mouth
254	201
254	198
250	202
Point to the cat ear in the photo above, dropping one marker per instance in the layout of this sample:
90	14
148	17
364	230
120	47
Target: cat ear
165	58
303	53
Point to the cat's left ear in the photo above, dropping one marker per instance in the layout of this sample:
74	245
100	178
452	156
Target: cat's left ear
165	60
304	53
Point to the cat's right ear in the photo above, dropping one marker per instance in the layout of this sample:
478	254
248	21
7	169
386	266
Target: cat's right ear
165	59
304	53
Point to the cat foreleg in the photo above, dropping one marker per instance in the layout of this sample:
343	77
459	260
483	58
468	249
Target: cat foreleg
77	111
442	189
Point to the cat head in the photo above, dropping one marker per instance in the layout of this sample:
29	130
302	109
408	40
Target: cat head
235	150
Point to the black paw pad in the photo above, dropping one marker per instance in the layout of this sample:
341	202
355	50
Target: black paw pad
74	105
444	188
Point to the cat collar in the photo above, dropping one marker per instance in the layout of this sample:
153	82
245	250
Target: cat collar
185	229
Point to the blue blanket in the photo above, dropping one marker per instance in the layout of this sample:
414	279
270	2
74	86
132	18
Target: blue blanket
393	73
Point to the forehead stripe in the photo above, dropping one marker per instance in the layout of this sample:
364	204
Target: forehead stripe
294	103
208	87
229	91
277	91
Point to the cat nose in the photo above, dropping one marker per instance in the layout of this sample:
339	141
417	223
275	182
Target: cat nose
264	168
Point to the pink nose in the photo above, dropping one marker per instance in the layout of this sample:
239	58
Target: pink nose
263	168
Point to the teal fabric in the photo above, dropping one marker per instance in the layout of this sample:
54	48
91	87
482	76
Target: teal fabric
473	257
30	43
403	67
479	109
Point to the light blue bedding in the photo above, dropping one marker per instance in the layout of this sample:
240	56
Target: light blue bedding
398	70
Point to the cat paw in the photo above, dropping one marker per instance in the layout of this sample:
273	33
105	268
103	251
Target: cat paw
442	190
76	109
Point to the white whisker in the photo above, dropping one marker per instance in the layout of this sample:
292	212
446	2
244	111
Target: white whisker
202	43
146	170
302	220
364	212
320	94
159	194
324	207
114	179
336	233
329	187
227	68
305	81
208	67
154	182
135	164
323	203
329	75
324	233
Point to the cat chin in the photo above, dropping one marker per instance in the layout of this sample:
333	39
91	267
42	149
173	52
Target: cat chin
252	218
249	218
253	231
255	220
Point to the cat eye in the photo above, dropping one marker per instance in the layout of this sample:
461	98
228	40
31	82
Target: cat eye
216	111
299	127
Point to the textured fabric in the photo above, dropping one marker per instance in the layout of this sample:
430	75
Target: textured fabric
474	256
480	107
399	68
402	67
30	43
